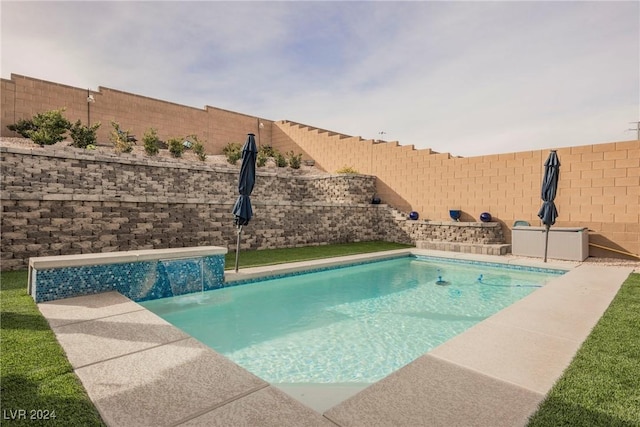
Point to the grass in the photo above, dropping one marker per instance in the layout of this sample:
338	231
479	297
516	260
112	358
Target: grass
601	387
35	373
257	258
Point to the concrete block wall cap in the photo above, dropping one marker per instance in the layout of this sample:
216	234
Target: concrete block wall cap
60	261
174	253
58	197
24	196
17	150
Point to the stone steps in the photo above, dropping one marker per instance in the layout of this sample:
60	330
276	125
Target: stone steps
472	248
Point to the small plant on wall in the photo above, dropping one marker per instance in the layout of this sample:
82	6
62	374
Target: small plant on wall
281	161
233	151
23	127
45	128
347	170
294	160
197	147
122	140
151	142
83	136
268	150
175	147
261	158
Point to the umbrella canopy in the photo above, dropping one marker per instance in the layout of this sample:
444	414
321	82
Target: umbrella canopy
242	209
548	212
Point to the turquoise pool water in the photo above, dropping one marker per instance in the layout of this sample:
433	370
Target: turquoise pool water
353	324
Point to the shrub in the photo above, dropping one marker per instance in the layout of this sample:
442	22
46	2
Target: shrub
294	160
233	151
122	139
347	170
22	127
175	147
261	159
50	127
197	147
151	142
281	162
83	136
268	150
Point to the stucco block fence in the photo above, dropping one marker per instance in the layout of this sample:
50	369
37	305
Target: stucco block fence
73	201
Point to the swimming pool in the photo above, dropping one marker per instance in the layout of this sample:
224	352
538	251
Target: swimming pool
355	324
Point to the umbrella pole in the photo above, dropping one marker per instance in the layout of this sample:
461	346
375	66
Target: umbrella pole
238	247
546	243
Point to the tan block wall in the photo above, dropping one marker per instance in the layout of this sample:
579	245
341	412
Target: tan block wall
599	184
23	97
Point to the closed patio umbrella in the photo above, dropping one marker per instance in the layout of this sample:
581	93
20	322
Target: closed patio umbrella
242	209
548	212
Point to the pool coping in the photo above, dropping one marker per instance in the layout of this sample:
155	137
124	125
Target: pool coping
140	370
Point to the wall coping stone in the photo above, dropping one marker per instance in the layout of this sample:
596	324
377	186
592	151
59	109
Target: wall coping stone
173	200
128	159
78	260
457	223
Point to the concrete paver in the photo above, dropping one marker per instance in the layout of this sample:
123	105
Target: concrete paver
434	392
87	307
101	339
267	407
164	385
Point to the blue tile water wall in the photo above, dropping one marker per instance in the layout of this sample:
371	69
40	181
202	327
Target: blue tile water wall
139	281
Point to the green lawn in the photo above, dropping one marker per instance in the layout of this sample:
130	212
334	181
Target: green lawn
601	387
279	256
36	376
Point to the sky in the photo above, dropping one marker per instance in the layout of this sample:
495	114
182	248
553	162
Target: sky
468	78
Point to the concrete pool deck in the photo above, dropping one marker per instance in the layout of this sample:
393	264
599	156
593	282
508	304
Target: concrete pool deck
140	370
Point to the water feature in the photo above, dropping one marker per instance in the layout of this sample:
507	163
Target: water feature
184	275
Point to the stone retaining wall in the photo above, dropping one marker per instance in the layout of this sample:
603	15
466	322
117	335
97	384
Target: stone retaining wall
73	202
49	174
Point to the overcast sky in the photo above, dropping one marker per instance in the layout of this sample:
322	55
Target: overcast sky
469	78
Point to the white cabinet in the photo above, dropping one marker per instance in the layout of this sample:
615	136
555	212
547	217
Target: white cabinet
567	243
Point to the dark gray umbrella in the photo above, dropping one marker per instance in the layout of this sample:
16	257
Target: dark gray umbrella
548	212
242	209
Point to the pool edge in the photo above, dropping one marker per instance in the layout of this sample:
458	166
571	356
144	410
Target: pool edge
352	408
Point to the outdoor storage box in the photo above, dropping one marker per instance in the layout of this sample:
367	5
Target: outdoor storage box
567	243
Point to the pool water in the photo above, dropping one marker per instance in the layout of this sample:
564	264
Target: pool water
354	324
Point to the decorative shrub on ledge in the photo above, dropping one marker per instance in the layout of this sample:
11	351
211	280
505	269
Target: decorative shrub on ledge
233	151
281	161
83	136
151	142
45	128
347	170
175	147
294	160
122	140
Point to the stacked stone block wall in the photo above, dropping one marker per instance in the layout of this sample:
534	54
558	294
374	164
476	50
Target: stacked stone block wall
71	201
